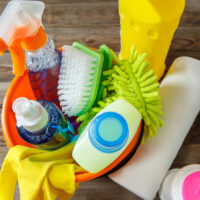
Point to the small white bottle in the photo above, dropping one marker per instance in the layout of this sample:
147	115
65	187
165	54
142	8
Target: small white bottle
181	184
42	124
107	136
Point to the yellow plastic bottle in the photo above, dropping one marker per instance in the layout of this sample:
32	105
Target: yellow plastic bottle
150	26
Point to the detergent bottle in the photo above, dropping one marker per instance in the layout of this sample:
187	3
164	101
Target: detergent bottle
150	26
107	136
21	32
42	124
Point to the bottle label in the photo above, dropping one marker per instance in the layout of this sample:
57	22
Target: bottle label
55	134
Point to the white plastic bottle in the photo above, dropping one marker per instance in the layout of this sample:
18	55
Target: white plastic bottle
179	90
181	184
106	137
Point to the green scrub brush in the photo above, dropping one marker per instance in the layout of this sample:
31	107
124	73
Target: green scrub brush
131	80
80	79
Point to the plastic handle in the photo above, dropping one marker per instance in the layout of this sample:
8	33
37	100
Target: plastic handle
30	44
36	41
18	57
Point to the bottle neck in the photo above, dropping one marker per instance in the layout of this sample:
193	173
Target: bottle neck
39	124
46	57
30	114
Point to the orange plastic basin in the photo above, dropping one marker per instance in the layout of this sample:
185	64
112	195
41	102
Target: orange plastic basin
20	87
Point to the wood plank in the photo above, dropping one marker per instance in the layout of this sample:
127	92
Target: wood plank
2	141
3	152
103	189
172	55
70	1
98	12
91	35
101	13
5	60
5	74
3	88
192	5
193	137
84	13
187	38
188	154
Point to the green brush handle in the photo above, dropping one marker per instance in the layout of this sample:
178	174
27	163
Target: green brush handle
107	64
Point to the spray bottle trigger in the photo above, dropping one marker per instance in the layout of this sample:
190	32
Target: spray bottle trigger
18	57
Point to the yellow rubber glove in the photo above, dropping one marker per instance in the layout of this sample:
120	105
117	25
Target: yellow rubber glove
42	175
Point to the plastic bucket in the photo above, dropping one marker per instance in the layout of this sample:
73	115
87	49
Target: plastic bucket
20	87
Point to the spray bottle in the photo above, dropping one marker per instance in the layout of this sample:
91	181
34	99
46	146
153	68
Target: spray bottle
22	33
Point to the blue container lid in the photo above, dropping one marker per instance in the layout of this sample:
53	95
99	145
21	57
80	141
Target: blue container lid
108	132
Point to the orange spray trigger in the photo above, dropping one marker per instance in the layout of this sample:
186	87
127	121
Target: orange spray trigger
35	42
18	57
19	23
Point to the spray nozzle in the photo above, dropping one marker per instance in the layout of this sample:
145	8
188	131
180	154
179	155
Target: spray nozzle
21	26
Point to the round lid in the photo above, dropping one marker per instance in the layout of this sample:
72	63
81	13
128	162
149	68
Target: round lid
191	186
30	114
108	132
22	106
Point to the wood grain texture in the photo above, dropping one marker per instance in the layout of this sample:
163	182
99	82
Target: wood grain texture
94	22
97	12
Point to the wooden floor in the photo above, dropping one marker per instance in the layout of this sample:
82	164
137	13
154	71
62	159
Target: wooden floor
95	22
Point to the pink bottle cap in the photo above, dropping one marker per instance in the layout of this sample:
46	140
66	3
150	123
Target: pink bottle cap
191	187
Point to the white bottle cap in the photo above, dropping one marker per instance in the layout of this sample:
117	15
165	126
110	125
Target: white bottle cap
30	114
181	184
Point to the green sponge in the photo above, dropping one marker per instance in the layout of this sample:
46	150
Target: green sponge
131	80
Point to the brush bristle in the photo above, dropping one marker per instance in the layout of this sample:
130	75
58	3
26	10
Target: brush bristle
75	80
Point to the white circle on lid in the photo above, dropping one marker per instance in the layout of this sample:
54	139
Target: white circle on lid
21	106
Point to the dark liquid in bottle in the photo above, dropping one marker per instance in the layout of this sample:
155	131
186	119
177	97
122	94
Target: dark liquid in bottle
44	83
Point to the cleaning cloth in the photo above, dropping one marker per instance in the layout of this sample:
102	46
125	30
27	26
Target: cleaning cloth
180	96
41	175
